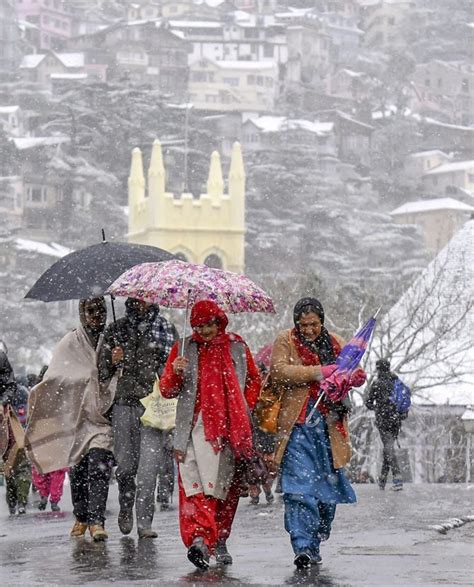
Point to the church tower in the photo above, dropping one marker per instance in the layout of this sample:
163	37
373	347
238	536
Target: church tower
209	229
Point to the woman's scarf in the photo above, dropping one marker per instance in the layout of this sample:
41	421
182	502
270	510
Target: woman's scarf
224	410
308	357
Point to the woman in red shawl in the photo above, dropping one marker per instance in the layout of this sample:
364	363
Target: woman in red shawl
217	383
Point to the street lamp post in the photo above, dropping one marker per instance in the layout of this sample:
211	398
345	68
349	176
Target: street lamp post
468	422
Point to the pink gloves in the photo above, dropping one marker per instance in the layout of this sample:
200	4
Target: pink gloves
328	370
358	378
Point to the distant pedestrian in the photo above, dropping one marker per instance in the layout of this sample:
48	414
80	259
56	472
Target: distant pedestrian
67	426
264	442
388	421
17	469
216	383
135	349
311	458
50	487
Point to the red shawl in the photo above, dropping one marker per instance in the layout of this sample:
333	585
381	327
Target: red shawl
224	411
309	358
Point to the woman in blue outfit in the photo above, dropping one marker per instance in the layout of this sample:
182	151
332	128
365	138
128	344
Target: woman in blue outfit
311	457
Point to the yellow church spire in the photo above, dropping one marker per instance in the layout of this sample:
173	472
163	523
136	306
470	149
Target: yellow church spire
156	181
237	186
136	187
215	181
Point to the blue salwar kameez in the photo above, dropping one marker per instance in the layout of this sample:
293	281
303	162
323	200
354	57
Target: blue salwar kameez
311	486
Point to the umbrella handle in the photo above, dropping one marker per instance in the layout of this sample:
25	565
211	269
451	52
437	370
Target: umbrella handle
313	410
185	323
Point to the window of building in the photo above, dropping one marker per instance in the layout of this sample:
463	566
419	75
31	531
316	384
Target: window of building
391	20
251	80
36	194
45	19
251	33
268	51
427	82
259	80
47	2
231	81
56	4
470	177
198	76
465	85
440	82
213	261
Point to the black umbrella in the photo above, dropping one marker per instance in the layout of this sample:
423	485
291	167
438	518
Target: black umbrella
88	272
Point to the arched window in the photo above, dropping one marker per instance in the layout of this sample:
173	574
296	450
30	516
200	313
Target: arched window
213	261
181	257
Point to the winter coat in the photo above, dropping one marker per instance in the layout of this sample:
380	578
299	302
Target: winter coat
387	419
146	342
7	380
287	372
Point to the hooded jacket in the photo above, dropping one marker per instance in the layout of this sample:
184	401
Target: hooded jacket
378	399
146	341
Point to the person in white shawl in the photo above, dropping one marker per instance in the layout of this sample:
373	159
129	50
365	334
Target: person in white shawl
67	426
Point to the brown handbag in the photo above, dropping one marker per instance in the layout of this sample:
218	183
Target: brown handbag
268	407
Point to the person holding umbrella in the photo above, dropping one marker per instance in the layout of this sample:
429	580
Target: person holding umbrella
311	457
135	349
66	422
216	382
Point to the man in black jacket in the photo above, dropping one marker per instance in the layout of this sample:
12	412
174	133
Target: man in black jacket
135	348
387	420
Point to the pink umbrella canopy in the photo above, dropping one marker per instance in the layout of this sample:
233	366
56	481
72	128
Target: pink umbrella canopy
177	284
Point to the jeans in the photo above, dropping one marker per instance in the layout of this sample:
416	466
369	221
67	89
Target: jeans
156	460
389	457
308	521
127	430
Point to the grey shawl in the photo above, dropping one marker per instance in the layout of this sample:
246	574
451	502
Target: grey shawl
65	415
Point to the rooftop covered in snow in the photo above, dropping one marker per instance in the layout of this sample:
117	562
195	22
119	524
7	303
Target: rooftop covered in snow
450	167
421	206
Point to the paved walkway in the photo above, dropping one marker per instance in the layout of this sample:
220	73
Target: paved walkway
383	540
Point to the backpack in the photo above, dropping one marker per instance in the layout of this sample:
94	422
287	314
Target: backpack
401	396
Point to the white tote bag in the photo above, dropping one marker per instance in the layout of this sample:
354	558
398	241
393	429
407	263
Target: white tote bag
159	412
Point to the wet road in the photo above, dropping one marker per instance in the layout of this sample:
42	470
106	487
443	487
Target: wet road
383	540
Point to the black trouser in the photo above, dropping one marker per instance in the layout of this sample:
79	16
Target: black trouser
90	486
388	438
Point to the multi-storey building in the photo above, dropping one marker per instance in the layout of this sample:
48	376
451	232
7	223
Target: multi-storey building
233	86
51	17
450	85
141	52
9	38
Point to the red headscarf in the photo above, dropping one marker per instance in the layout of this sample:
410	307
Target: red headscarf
224	410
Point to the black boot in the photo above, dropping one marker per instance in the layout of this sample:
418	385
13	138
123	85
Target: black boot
198	554
223	556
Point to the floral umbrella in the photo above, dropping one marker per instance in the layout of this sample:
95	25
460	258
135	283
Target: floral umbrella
177	284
